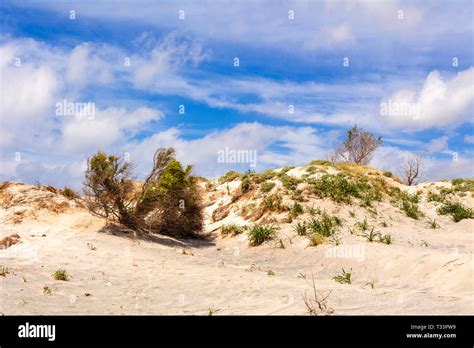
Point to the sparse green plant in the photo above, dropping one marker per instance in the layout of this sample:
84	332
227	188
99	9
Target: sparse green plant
260	233
229	176
267	186
231	229
300	228
245	184
463	184
433	224
387	174
313	211
362	225
60	274
212	311
4	271
320	163
289	182
386	239
424	243
434	197
411	209
344	278
69	193
352	214
457	211
46	290
270	272
296	209
383	223
316	239
326	225
371	235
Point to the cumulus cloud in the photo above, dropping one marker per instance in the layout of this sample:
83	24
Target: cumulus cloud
438	103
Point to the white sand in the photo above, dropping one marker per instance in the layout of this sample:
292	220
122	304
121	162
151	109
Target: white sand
424	271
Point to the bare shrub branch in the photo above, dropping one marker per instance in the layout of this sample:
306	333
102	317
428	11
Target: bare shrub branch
317	304
358	147
410	170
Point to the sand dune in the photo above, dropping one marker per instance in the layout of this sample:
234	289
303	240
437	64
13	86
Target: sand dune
424	270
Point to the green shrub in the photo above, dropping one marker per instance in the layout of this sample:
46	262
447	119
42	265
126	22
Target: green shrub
320	163
411	209
245	184
340	189
326	225
260	233
387	174
457	211
434	197
311	169
69	193
267	186
289	182
229	176
463	184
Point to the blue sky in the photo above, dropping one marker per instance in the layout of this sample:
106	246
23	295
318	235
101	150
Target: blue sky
417	53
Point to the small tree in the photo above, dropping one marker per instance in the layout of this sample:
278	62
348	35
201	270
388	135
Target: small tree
170	201
358	147
109	188
410	170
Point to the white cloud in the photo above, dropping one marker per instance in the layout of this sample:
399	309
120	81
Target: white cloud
81	134
469	139
438	103
301	144
438	144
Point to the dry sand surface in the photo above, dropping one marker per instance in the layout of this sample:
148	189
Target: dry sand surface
424	270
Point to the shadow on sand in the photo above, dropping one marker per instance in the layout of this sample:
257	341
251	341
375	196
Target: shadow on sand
203	241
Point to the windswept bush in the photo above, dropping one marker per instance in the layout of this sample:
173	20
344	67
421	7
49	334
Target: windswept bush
109	189
168	202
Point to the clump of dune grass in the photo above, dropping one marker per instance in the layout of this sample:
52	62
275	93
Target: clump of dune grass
231	229
301	228
326	225
260	233
60	274
434	197
344	278
457	211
